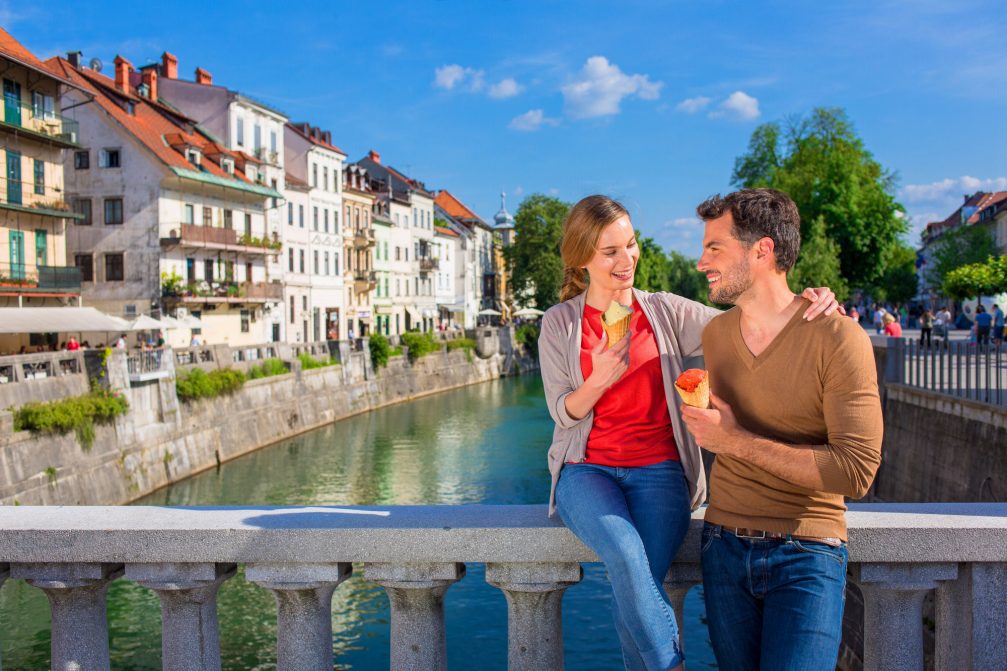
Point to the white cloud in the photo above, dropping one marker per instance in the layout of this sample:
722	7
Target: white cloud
450	76
600	88
532	120
505	88
553	191
518	191
693	105
739	105
948	189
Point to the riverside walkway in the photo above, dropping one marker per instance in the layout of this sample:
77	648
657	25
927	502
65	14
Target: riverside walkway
898	553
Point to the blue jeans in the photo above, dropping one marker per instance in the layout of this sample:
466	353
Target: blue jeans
635	520
773	605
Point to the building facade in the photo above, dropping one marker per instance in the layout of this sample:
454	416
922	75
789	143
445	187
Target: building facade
360	248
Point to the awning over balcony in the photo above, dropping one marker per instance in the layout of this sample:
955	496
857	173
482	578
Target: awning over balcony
413	314
58	320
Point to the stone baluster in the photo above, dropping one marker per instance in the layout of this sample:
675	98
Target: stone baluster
971	619
680	579
190	639
76	594
303	610
893	611
534	594
416	593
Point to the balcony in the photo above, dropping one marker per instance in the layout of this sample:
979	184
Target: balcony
898	554
30	198
363	237
224	239
428	263
23	120
364	281
232	293
32	279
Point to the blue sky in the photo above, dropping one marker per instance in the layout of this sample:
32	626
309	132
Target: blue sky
647	101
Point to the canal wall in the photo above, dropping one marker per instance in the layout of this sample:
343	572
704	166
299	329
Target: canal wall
161	440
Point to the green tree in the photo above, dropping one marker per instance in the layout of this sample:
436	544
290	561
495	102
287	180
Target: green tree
977	279
899	282
653	270
533	258
959	247
818	263
686	281
822	163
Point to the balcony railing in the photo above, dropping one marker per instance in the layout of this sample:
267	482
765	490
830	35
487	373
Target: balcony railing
24	367
959	368
25	195
225	292
212	237
363	237
428	263
30	278
49	126
148	364
364	280
898	554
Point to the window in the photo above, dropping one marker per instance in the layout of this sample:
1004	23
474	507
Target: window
386	250
82	160
258	138
227	164
325	178
192	156
189	215
109	158
314	175
326	263
302	263
315	254
246	317
83	206
229	271
326	220
406	250
190	270
414	218
272	141
290	214
304	303
240	128
207	216
208	271
113	211
292	309
315	223
248	224
86	264
42	106
416	289
398	288
228	219
398	255
290	259
114	268
275	203
300	216
335	262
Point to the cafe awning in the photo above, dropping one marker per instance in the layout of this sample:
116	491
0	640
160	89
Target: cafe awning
58	320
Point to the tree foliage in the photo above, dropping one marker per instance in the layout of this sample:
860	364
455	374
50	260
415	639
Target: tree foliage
961	246
899	282
822	163
977	279
818	263
533	258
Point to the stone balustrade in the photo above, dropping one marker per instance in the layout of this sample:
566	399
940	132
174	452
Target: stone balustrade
898	553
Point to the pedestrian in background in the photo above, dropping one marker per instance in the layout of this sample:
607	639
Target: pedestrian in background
892	327
926	327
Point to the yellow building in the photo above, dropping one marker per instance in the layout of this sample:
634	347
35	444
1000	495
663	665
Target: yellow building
33	209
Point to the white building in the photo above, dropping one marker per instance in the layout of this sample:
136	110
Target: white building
477	289
451	259
295	260
311	157
172	220
360	247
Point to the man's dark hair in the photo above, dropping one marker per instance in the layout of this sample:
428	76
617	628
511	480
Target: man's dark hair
757	214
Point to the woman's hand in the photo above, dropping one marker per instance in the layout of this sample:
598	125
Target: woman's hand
608	365
823	300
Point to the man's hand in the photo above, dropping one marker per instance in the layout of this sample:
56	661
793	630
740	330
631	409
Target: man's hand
716	430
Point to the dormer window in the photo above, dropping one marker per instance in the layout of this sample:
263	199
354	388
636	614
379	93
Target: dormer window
227	164
130	107
192	156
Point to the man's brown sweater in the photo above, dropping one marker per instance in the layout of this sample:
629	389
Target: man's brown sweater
815	385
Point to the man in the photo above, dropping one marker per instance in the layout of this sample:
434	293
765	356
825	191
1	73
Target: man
984	323
944	319
796	426
998	326
879	319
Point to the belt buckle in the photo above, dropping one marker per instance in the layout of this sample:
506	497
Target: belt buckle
761	536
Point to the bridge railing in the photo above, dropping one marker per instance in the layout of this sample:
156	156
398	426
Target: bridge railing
976	371
898	553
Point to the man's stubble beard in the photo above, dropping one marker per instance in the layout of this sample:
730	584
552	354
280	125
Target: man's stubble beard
733	283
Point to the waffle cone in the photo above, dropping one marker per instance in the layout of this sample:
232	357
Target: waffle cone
616	331
697	398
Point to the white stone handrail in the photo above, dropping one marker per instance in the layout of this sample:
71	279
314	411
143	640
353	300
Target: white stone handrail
898	552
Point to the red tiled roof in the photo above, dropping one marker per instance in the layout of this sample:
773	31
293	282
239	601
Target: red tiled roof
453	206
987	200
297	128
159	128
14	50
296	183
446	231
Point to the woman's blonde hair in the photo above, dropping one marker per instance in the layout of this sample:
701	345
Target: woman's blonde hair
888	318
581	231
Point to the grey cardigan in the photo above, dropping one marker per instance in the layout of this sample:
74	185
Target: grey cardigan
678	325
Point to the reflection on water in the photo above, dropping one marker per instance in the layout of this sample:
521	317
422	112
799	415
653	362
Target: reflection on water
480	444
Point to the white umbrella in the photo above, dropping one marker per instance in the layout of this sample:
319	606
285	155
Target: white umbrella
529	312
488	312
190	322
171	323
146	323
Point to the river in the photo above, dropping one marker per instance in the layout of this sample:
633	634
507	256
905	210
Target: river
481	444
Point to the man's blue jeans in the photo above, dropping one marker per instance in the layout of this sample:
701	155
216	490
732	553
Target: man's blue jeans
635	520
773	604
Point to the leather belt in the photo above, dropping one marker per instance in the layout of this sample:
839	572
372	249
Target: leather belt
758	534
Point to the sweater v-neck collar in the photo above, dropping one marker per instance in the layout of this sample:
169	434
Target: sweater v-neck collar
751	360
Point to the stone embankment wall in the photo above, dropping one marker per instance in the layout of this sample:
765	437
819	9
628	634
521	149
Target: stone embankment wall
161	441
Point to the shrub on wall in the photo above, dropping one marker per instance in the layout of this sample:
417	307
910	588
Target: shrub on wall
268	368
308	362
78	414
527	335
419	344
198	384
380	350
467	344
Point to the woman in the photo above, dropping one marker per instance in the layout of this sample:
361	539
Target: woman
927	328
892	327
625	472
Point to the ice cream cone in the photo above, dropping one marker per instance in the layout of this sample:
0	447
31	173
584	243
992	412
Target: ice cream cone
694	387
615	322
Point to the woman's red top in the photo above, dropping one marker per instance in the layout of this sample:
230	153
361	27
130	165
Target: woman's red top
632	426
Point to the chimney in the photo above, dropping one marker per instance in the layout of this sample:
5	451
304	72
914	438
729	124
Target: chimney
74	58
203	77
169	66
374	156
327	136
122	69
150	81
